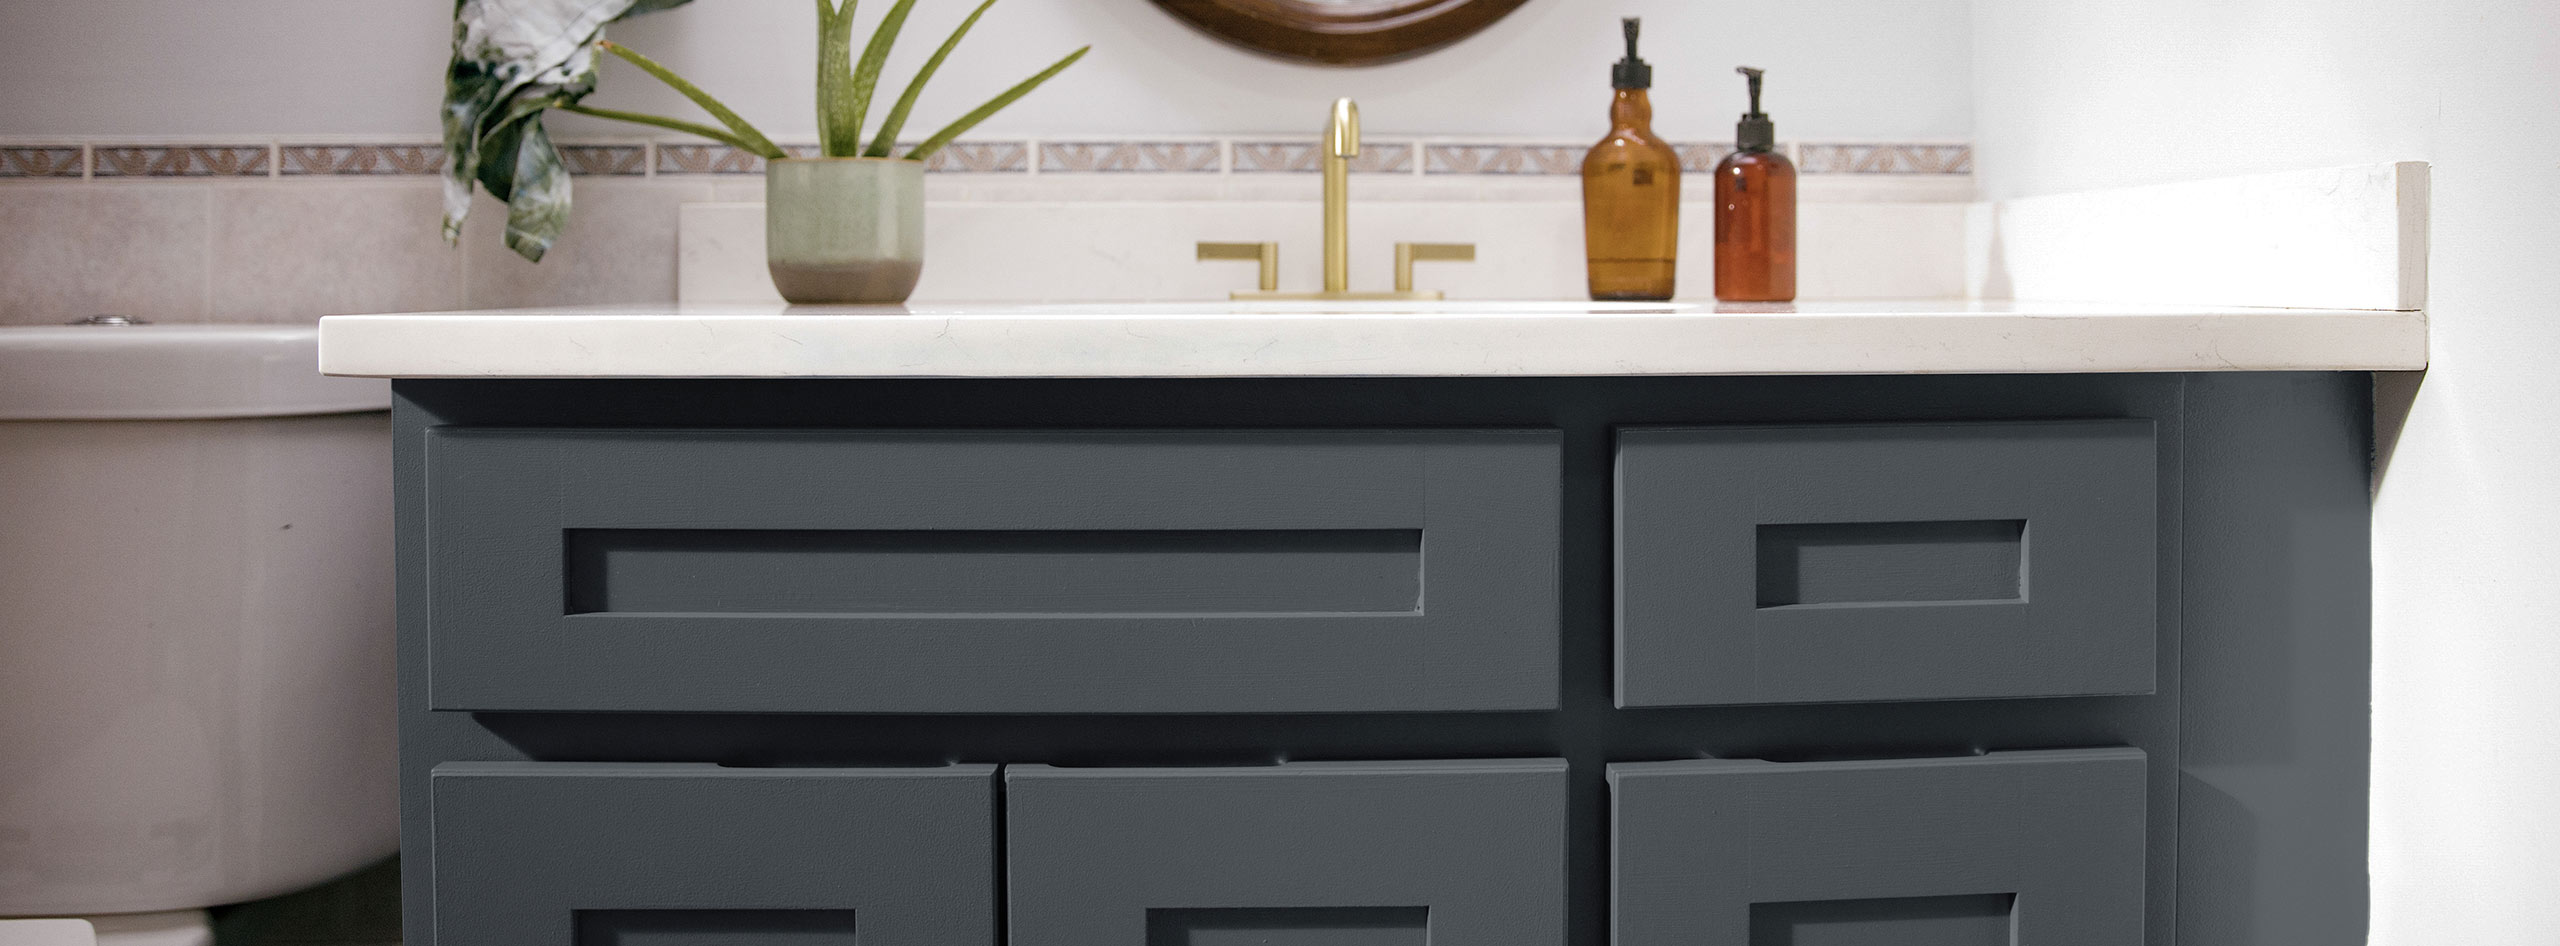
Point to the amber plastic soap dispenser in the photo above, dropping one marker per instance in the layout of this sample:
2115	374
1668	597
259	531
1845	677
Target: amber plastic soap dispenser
1755	192
1631	193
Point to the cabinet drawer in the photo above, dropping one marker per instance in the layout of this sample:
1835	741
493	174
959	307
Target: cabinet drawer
599	854
1299	854
1949	852
1902	562
992	572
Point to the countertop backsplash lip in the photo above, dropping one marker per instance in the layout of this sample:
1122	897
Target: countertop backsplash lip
306	157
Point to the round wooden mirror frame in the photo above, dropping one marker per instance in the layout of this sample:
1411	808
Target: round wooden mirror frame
1341	32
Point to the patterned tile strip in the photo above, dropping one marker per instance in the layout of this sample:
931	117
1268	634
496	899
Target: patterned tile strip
1299	157
300	160
707	159
1123	157
605	159
1702	159
978	157
1250	156
1503	159
40	161
182	161
1887	159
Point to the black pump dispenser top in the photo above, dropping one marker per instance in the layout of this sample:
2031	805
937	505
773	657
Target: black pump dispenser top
1755	132
1631	72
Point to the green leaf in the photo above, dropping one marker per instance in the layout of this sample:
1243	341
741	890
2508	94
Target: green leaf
673	124
866	77
897	120
751	139
838	127
926	148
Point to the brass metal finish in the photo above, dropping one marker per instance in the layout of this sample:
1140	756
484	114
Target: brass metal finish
1341	144
1409	253
1268	254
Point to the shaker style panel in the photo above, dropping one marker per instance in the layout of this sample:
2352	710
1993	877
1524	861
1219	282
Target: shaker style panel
1892	562
2003	849
992	571
1296	854
674	854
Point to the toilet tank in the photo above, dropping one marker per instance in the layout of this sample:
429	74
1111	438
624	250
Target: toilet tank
196	684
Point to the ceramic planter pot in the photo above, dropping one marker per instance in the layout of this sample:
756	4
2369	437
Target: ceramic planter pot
844	230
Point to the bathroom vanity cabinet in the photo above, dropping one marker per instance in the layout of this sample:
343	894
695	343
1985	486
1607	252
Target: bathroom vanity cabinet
1514	661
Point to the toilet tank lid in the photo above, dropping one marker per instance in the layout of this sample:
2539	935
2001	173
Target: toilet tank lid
171	372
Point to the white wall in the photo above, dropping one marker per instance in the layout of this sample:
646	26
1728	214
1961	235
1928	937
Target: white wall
1839	69
2466	769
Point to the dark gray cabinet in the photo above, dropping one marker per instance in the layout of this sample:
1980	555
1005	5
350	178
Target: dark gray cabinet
625	854
992	572
1384	662
2004	849
1901	562
1297	854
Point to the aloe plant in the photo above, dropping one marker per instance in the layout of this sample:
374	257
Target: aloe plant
514	59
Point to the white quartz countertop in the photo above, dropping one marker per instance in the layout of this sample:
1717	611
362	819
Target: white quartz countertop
1453	339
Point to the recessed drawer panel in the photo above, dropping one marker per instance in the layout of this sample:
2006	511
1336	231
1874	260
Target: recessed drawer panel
992	572
607	854
1991	850
1903	562
1299	854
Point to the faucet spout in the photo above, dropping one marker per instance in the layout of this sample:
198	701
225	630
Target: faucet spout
1342	130
1341	144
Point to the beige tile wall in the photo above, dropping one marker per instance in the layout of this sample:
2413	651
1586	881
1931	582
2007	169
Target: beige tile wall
263	250
324	230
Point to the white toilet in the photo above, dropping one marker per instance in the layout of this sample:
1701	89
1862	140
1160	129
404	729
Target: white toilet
196	701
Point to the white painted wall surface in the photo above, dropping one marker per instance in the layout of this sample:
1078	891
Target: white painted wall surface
2466	816
1839	69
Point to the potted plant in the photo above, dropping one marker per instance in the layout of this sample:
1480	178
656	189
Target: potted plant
844	226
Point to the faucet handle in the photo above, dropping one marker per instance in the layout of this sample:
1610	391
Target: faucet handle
1408	254
1268	254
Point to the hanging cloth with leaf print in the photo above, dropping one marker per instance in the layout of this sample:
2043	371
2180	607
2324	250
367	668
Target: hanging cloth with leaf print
511	60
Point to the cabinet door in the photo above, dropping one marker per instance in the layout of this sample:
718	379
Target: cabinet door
2039	848
992	572
1900	562
602	854
1300	854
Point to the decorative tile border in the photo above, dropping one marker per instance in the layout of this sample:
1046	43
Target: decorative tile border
1300	157
299	160
1702	159
631	159
1886	159
1130	157
43	161
978	157
1503	159
183	161
58	160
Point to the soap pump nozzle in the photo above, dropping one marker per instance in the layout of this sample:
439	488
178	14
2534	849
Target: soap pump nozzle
1755	132
1631	72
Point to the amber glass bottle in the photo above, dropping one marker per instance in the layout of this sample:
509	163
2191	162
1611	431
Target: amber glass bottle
1631	194
1755	194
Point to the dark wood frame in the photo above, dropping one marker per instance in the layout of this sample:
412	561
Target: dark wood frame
1361	34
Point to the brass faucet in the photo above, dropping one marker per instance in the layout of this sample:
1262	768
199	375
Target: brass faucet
1341	144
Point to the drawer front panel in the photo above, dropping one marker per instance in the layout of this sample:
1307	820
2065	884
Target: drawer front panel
1945	852
1903	562
992	572
1299	854
593	854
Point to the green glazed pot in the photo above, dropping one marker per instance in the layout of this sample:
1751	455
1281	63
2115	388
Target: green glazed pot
844	230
